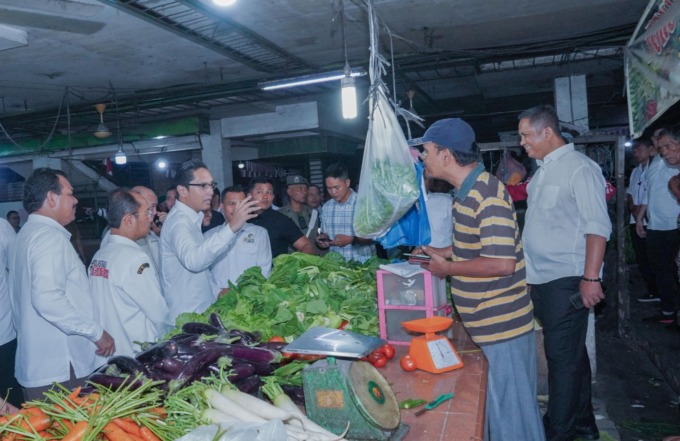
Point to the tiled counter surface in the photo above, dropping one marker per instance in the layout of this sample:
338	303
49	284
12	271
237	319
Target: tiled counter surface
462	418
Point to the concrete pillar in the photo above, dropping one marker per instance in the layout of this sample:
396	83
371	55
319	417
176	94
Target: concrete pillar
571	101
44	161
216	154
571	104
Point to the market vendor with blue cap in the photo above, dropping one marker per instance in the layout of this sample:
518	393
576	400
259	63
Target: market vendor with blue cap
488	281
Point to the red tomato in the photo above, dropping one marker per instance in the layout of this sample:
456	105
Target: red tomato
388	350
407	363
276	339
377	359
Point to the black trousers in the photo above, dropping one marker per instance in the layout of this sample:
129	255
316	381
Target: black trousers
564	339
662	249
8	353
642	260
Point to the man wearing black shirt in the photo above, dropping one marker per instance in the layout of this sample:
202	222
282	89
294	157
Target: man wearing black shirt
283	232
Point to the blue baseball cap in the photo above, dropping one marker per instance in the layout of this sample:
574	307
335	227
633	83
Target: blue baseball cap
451	133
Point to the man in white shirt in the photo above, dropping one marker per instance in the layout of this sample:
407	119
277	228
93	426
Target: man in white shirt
565	234
643	152
185	255
439	206
151	242
661	209
8	337
57	337
249	248
123	280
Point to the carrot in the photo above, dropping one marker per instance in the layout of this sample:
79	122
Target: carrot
35	419
76	434
148	435
127	425
114	433
159	411
73	395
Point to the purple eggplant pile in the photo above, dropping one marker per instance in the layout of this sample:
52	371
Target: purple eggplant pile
197	352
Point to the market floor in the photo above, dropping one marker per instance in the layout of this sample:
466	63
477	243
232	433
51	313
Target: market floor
637	383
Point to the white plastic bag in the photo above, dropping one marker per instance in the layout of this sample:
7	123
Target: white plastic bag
273	430
388	186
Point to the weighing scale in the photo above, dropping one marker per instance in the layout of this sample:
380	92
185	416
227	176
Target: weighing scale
340	391
431	352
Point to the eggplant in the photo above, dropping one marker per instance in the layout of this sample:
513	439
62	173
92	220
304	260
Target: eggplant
249	385
262	368
247	338
296	393
240	372
216	321
114	383
128	365
163	349
200	329
170	365
181	336
273	345
248	353
194	367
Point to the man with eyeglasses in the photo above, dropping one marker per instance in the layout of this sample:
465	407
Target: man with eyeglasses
250	248
306	218
283	232
123	280
186	255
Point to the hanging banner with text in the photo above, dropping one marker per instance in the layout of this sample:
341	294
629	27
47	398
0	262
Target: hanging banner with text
653	64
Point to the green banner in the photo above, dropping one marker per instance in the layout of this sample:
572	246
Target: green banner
653	64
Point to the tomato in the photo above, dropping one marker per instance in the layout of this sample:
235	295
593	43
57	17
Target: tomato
276	339
407	363
388	350
377	359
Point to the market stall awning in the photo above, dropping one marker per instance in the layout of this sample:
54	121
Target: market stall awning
653	64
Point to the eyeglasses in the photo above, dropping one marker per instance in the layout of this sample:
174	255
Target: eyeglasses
149	213
205	186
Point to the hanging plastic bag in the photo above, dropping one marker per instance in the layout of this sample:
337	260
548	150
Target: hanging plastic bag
388	186
510	171
413	228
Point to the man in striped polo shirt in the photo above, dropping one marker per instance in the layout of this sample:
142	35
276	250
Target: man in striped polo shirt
488	282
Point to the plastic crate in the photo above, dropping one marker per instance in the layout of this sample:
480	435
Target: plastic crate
402	299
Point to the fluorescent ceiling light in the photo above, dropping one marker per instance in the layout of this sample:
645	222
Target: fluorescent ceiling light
349	98
310	79
224	2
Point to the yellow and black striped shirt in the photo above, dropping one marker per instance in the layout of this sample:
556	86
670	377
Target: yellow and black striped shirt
493	309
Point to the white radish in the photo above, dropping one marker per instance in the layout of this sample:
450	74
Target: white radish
255	405
224	404
218	417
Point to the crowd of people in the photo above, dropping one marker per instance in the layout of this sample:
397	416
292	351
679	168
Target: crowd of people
153	265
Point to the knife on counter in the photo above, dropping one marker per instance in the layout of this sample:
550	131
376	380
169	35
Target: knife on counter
434	403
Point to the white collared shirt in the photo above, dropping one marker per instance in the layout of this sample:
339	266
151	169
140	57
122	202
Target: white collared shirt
662	207
51	305
7	238
566	201
637	186
185	261
127	295
249	248
439	208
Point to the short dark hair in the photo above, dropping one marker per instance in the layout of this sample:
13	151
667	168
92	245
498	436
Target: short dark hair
233	189
672	131
542	116
464	158
11	212
42	181
185	172
315	186
121	202
337	171
259	180
647	142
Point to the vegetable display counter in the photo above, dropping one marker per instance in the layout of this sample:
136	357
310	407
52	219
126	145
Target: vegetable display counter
461	418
